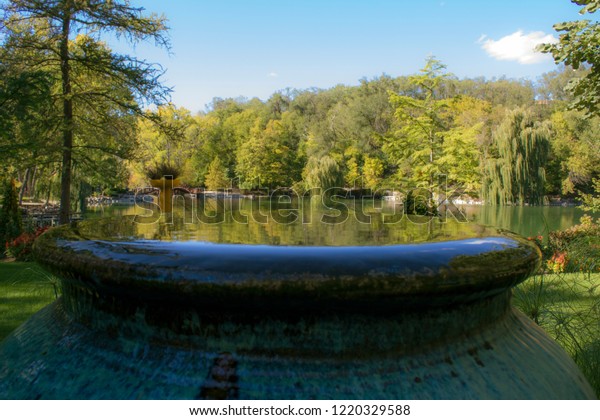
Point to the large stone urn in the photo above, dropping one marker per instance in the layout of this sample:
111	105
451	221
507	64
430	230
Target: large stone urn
156	319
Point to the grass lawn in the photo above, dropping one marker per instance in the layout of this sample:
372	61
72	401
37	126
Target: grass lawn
25	288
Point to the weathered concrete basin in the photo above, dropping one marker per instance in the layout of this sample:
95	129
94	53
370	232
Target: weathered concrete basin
155	319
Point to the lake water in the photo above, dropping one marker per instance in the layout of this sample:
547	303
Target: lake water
278	218
527	221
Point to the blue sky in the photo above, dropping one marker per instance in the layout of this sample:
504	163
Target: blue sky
253	48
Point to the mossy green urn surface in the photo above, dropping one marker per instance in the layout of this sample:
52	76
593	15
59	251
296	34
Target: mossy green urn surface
286	314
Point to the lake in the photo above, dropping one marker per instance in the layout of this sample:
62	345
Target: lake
526	221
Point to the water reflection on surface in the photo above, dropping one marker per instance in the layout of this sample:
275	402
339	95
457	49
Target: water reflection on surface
303	222
526	221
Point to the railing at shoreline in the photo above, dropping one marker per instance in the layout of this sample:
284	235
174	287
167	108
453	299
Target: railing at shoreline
49	219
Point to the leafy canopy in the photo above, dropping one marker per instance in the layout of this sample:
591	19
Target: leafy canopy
578	47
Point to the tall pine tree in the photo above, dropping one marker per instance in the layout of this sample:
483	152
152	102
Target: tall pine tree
416	146
10	214
54	25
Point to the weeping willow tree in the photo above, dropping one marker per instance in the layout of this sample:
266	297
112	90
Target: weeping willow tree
324	174
516	174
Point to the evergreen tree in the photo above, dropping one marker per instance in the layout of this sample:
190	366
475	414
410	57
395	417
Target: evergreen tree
416	146
54	25
10	214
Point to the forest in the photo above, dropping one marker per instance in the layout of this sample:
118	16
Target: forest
78	119
504	141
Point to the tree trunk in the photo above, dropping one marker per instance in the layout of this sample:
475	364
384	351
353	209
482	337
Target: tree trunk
48	195
431	147
65	180
24	186
32	182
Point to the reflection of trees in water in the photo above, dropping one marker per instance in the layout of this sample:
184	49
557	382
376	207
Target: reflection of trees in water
527	221
300	222
107	227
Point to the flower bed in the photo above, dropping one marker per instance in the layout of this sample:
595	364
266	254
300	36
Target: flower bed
20	247
576	249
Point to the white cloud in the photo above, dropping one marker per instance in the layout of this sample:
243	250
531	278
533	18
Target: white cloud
272	74
517	47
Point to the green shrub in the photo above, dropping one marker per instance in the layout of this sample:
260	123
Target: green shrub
10	215
584	255
419	201
575	249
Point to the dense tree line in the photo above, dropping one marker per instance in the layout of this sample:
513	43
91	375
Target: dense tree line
506	141
73	122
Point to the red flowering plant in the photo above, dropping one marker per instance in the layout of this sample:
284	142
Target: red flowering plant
537	239
576	249
547	251
558	262
20	247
